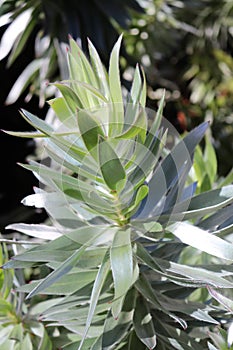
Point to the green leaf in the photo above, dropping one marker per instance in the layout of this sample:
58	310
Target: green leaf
77	73
198	311
134	342
13	30
98	284
202	204
85	67
142	192
114	73
156	123
115	330
144	90
8	345
72	99
67	284
38	231
5	308
136	87
26	343
21	41
117	115
144	288
180	158
63	112
216	221
90	129
197	277
121	256
210	160
138	125
226	180
54	276
143	323
37	122
100	71
110	165
202	240
23	81
221	299
214	198
92	91
45	343
147	259
25	134
17	333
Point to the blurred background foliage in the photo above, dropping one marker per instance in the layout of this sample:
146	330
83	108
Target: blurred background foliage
183	46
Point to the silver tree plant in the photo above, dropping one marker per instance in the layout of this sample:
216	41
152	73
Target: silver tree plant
113	180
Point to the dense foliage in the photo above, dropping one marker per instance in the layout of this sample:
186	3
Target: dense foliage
115	180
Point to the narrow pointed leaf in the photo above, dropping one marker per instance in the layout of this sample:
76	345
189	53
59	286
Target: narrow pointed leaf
136	86
59	272
84	64
143	323
139	125
77	73
26	343
98	284
90	89
224	301
21	41
90	129
121	256
99	70
117	115
38	231
73	101
140	195
156	123
144	90
110	165
23	81
115	330
202	240
63	112
37	122
210	159
26	134
114	73
167	172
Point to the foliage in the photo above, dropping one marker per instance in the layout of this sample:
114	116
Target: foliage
19	326
48	23
186	47
205	168
121	215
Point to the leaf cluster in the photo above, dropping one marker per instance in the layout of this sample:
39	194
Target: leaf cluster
121	214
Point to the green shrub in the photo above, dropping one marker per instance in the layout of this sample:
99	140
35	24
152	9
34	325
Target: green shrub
113	180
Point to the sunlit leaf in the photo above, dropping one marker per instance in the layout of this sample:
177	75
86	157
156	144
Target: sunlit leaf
110	165
90	129
121	256
202	240
98	284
